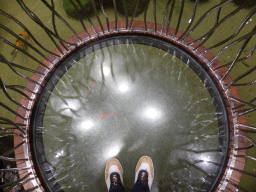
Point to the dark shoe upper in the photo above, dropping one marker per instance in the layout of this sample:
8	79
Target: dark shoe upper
115	179
116	183
143	176
142	182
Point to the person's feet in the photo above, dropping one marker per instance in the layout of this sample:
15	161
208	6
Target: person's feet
114	173
144	171
144	174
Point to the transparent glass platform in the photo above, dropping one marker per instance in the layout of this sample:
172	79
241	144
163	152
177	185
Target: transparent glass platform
126	97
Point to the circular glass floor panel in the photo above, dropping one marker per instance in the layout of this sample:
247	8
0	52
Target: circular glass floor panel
126	97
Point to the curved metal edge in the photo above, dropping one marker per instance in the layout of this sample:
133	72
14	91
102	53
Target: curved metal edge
138	29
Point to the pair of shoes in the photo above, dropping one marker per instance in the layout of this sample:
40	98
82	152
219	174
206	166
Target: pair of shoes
144	172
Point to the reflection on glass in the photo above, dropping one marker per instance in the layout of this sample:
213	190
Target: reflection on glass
73	104
123	87
113	150
59	153
86	124
205	159
152	113
106	70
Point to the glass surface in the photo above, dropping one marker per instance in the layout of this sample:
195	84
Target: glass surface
126	101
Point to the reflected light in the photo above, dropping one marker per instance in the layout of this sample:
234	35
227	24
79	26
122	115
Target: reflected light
152	113
205	160
123	88
59	153
113	151
106	70
73	104
87	124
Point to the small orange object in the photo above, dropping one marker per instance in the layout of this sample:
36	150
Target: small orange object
19	43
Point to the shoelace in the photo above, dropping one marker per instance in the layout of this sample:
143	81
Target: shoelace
115	180
144	176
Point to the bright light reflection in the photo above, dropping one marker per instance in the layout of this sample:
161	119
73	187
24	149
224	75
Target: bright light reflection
106	70
59	153
152	113
205	160
123	88
87	124
73	104
113	151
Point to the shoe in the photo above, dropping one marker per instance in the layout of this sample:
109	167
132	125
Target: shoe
145	170
113	173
